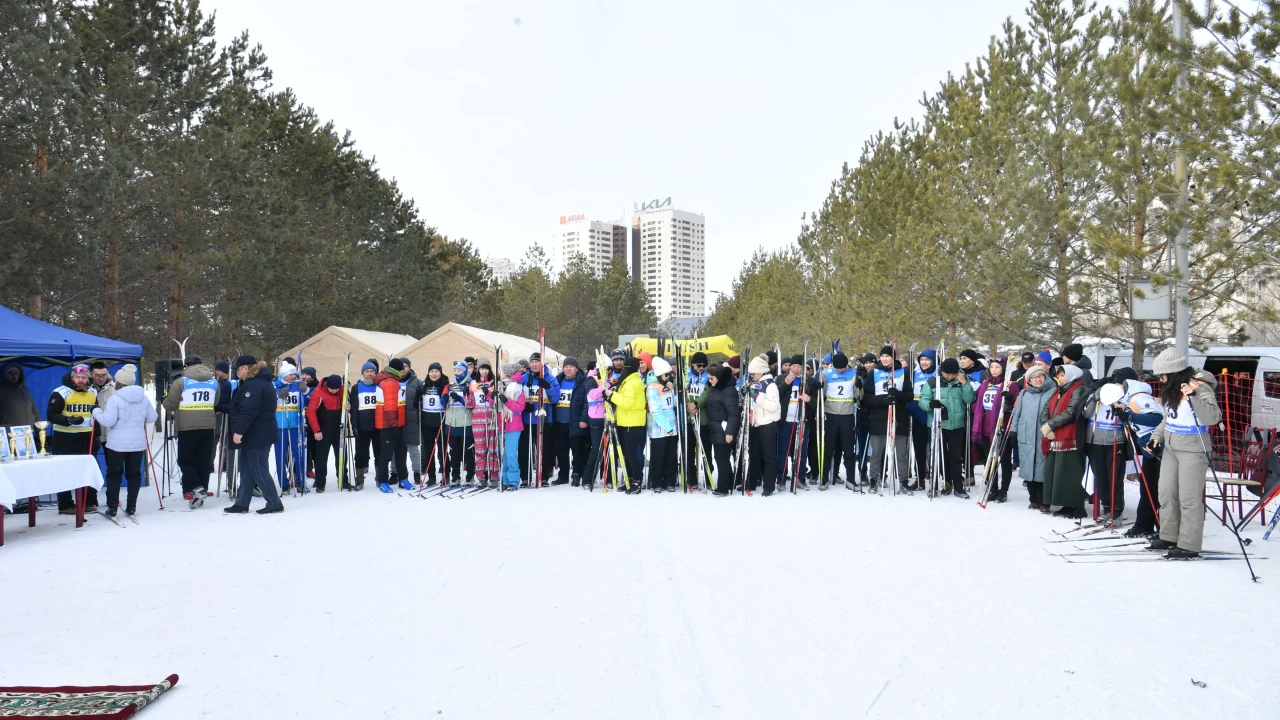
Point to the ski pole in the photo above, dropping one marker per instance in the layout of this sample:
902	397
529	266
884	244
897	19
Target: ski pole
1226	506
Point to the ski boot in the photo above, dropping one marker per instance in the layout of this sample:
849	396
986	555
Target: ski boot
406	485
384	488
575	480
1157	543
874	487
1002	496
110	512
1177	553
269	510
961	493
1136	532
197	498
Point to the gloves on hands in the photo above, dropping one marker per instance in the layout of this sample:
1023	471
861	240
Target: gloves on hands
75	421
935	404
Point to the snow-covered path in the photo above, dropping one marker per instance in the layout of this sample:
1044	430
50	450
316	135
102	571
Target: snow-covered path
560	603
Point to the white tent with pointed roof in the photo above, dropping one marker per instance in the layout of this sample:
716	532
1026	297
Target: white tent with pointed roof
326	350
451	342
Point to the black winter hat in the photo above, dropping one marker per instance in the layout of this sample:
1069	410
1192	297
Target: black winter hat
309	371
867	358
192	360
1124	373
396	365
887	350
617	354
839	361
950	366
971	354
772	357
796	360
535	356
435	366
1057	362
406	362
246	360
223	366
1073	352
570	360
333	382
469	360
698	358
632	363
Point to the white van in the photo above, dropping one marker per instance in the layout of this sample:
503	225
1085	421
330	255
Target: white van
1259	401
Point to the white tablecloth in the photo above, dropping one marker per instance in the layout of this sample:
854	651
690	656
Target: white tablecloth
46	476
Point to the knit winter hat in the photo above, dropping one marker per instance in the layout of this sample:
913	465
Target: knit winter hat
839	361
369	366
970	353
797	359
758	365
1170	362
470	360
509	369
223	366
524	363
887	350
191	360
646	357
661	367
309	371
127	375
333	382
735	362
826	358
632	363
1045	357
1123	374
950	366
570	360
483	362
771	357
396	364
868	358
435	366
1037	370
535	356
698	358
286	369
1073	352
617	354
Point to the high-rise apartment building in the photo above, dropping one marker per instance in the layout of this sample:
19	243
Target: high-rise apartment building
501	268
598	242
673	259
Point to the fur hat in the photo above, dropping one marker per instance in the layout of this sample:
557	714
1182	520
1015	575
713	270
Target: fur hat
1170	362
758	366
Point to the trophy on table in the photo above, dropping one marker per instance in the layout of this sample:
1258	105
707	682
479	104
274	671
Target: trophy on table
41	425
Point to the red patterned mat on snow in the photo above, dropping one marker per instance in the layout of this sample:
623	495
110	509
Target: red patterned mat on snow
70	701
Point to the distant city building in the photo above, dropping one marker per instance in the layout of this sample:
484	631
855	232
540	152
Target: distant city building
672	259
502	268
598	242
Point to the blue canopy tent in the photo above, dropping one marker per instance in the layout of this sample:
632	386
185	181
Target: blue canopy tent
47	352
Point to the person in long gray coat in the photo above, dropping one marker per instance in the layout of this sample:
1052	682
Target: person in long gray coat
1026	428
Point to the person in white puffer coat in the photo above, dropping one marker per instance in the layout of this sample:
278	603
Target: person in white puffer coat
128	414
766	412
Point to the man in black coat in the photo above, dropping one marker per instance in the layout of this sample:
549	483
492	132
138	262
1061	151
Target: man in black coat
253	428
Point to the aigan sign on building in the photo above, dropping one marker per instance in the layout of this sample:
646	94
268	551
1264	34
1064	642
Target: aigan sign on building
566	219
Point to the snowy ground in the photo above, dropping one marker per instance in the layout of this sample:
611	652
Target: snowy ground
560	603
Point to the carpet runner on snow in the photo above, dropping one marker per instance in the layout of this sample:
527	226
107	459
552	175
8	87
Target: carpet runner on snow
70	701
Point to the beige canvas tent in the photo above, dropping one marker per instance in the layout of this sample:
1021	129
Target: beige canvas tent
326	350
451	342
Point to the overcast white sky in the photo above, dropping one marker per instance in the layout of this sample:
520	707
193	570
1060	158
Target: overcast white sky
742	111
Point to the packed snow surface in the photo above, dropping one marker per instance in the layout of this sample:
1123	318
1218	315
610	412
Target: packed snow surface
562	603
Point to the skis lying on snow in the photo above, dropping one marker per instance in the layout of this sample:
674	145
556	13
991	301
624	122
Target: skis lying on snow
1148	557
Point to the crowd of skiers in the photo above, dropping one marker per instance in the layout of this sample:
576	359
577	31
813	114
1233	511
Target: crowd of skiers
632	422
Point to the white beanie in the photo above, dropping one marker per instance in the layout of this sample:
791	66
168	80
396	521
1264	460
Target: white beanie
287	369
1170	362
660	367
127	375
758	365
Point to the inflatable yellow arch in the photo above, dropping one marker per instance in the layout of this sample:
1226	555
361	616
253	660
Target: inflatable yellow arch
715	345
